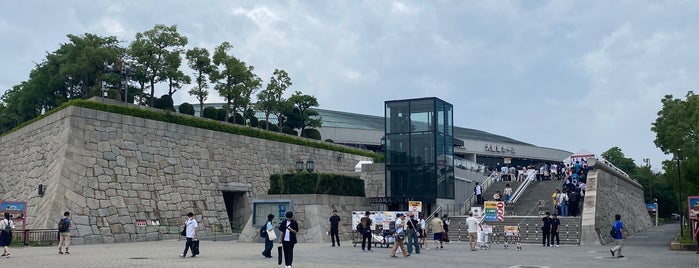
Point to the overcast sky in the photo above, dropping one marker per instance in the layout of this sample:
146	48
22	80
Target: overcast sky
563	74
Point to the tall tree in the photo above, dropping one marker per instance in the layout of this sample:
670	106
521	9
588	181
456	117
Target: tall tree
200	61
677	132
304	115
151	51
228	76
269	99
176	79
248	84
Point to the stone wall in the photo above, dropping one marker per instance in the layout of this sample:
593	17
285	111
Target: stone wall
312	213
110	170
374	179
610	192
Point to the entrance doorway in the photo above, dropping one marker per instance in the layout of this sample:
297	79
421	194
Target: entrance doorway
237	208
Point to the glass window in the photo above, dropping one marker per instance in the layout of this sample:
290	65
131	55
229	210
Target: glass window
397	148
397	117
422	115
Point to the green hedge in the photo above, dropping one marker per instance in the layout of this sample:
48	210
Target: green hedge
171	117
315	183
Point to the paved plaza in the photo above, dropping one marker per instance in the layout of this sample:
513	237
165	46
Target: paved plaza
648	249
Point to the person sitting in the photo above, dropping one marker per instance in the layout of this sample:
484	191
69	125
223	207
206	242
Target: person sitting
497	196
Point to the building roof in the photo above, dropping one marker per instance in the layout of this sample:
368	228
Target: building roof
361	121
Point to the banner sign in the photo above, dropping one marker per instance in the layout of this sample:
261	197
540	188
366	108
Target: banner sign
380	220
511	230
17	210
693	205
491	210
415	206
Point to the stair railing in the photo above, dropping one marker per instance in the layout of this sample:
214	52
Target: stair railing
485	185
522	187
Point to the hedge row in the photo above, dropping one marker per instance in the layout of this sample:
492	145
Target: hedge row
316	183
175	118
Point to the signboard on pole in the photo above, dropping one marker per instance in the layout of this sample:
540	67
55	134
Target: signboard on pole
693	206
511	230
415	206
491	210
500	211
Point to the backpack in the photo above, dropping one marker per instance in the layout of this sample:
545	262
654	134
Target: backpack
364	225
612	232
392	227
263	231
62	225
8	227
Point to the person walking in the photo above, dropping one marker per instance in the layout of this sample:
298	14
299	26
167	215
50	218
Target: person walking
619	235
268	243
445	234
507	192
437	230
399	237
334	228
563	202
555	224
423	231
6	227
478	191
64	233
191	227
412	229
364	229
472	226
288	230
546	229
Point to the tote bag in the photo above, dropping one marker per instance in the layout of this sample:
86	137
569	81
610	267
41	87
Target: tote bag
271	235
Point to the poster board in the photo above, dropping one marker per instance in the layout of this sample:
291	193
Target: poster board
511	230
693	206
380	220
17	210
277	207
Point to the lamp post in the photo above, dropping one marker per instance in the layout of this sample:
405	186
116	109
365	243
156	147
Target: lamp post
650	178
679	197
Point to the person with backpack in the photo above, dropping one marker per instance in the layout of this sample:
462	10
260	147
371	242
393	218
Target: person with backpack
618	233
64	233
268	243
364	229
7	226
399	236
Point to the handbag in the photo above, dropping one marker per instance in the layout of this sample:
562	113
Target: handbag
184	231
271	235
400	236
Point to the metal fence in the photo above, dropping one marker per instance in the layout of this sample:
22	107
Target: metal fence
41	237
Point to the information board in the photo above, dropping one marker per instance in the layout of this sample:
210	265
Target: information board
276	207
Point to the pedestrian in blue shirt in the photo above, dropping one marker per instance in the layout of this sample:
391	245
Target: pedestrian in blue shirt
619	235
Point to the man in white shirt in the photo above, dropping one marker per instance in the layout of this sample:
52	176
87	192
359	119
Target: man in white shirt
478	191
400	231
191	229
473	224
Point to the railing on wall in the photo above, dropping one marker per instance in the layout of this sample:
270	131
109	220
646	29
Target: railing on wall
39	237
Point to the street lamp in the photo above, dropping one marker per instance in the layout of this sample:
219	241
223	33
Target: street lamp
679	197
650	178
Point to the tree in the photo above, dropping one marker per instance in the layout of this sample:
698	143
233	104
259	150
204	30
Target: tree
210	112
615	156
175	78
152	50
164	103
677	126
676	132
249	83
268	100
302	113
200	61
228	75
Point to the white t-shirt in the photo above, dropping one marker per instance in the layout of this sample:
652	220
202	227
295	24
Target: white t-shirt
191	225
472	224
399	225
479	190
287	234
422	224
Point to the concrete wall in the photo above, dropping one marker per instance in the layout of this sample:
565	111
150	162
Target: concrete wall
110	170
610	192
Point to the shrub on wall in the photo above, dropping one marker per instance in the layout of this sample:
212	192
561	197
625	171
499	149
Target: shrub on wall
315	183
186	108
311	133
174	118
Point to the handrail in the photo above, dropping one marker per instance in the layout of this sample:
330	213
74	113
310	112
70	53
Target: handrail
437	210
486	184
522	187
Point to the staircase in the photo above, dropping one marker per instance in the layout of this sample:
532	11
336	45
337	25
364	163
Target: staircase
529	230
535	199
499	186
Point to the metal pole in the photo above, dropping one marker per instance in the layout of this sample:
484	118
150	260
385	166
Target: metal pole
657	210
679	197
